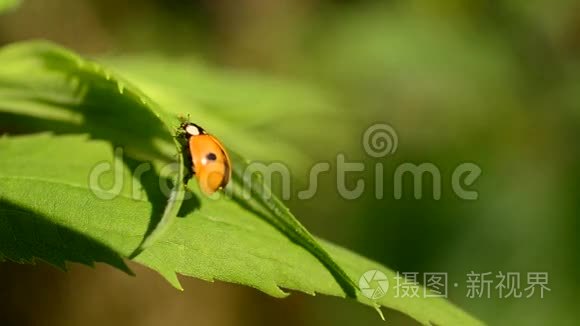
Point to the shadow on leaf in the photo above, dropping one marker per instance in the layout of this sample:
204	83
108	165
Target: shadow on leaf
26	235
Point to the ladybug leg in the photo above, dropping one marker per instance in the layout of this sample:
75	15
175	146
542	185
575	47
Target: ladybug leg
188	175
185	180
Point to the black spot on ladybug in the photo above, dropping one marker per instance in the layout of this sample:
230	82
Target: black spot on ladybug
211	157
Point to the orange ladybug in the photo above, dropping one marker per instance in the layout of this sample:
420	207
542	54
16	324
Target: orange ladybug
210	163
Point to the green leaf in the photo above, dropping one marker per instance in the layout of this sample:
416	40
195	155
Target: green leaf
92	115
44	179
241	107
89	81
71	93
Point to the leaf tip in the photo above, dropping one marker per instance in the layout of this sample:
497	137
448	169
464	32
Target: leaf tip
379	311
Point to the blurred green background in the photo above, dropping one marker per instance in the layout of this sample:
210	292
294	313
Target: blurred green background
496	83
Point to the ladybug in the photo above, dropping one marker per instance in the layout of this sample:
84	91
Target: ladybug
208	160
